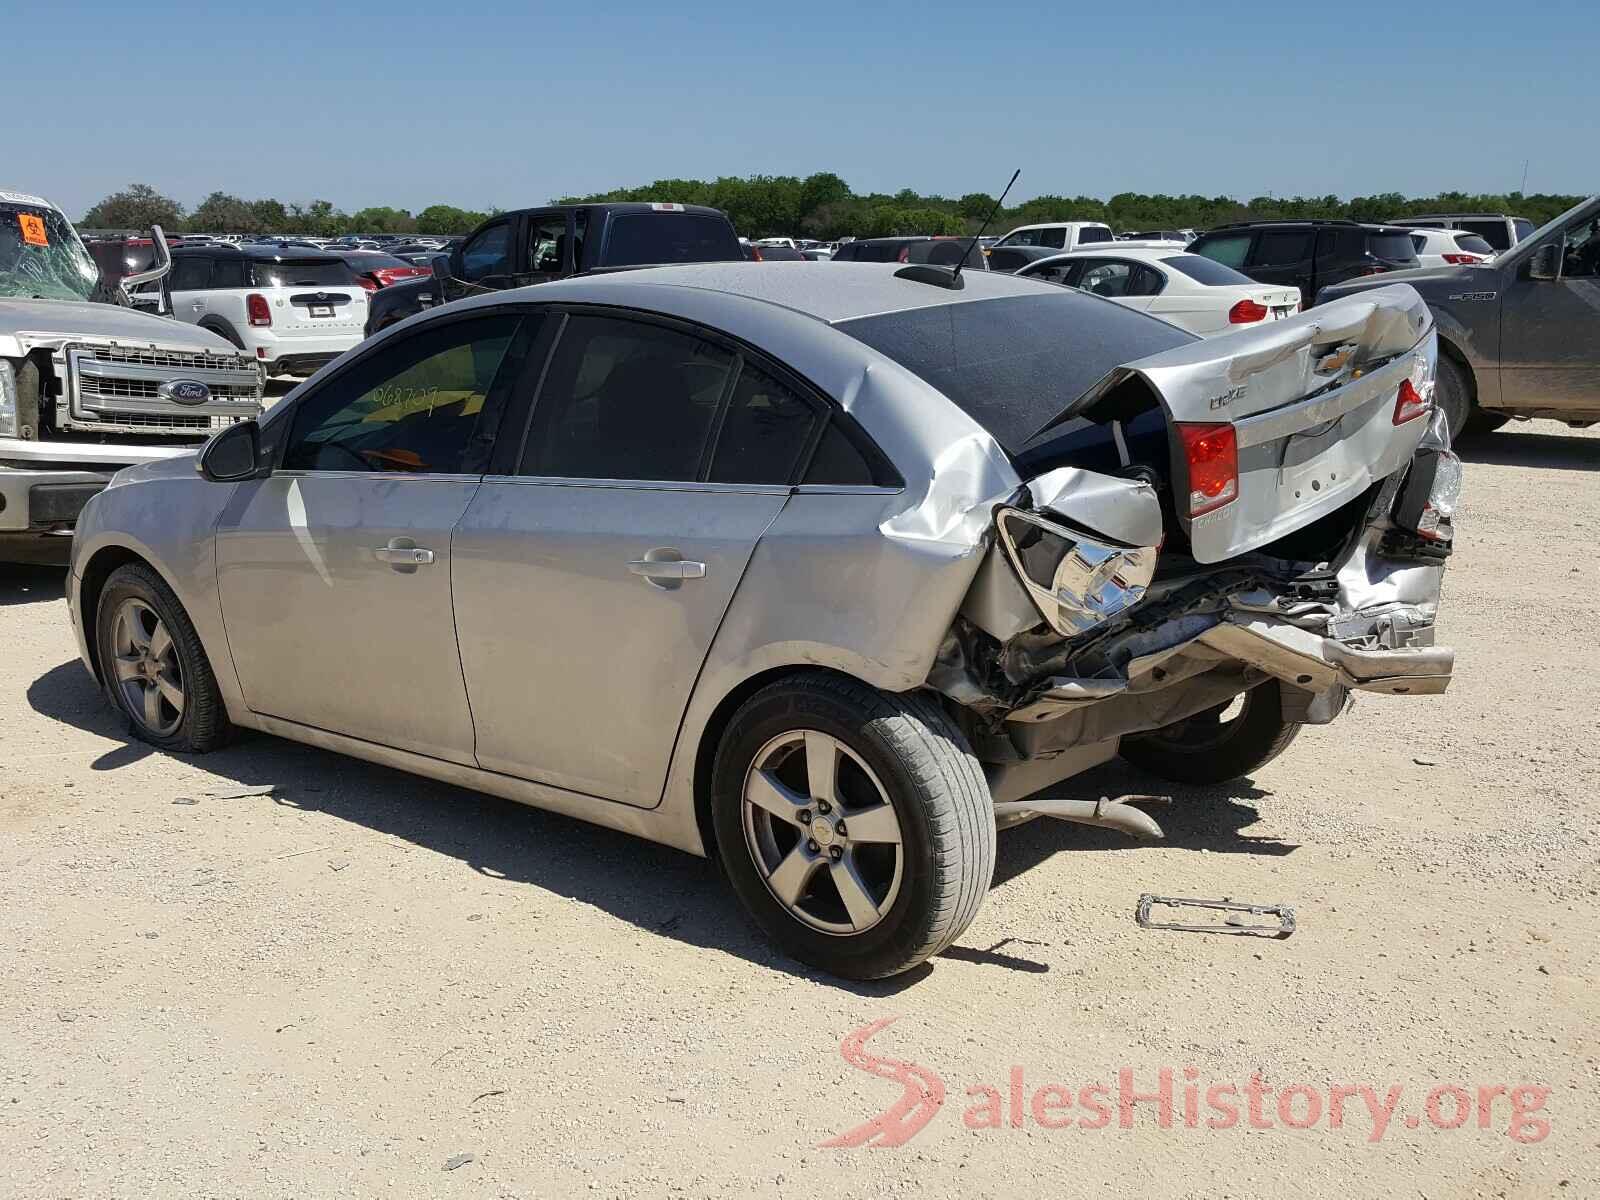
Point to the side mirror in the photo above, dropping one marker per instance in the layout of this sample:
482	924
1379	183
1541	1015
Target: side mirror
1546	262
441	269
232	454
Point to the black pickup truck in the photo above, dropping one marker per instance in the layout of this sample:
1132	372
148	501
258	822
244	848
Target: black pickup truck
1518	336
535	245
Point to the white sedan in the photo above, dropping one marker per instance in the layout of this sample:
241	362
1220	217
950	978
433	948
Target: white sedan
1450	247
1191	292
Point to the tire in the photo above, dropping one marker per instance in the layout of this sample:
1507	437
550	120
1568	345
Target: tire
1206	749
188	715
901	753
1452	392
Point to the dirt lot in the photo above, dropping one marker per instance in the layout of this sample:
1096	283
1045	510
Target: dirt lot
342	985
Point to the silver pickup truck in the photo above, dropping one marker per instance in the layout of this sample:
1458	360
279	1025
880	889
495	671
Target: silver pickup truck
88	385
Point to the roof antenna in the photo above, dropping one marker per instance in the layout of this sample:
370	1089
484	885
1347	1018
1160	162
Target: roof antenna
943	276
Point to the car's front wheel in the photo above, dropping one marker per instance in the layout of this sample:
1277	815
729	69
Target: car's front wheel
153	666
1218	744
855	825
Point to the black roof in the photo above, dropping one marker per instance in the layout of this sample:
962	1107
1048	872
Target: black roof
264	251
1292	222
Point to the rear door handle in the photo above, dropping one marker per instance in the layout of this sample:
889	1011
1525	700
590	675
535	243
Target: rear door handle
404	556
669	568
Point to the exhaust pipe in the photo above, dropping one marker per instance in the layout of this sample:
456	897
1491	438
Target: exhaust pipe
1104	812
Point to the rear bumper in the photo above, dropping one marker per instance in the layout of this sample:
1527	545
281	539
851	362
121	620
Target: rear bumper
286	355
1314	663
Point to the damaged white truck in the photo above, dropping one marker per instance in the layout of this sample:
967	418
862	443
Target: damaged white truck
88	385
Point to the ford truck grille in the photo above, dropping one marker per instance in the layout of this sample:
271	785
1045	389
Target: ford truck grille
116	389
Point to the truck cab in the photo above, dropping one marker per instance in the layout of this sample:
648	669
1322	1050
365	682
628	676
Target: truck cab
536	245
1519	337
88	385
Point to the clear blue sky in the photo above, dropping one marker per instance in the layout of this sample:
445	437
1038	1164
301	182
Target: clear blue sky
511	104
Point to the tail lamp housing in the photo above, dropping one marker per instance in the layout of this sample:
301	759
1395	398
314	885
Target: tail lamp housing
1427	503
1212	454
257	310
1075	579
1247	312
1415	395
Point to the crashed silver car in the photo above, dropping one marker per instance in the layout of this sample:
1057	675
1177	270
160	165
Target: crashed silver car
828	571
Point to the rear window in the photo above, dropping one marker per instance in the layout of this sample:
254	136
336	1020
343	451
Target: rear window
1496	233
643	239
1204	270
1229	249
301	273
1524	227
1393	247
1013	363
1472	244
1094	234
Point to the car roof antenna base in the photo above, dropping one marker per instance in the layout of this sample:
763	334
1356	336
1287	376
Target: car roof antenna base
945	277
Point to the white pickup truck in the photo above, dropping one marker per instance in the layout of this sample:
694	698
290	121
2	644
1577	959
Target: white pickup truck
88	385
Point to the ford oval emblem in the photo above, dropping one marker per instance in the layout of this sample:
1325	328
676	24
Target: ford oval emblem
184	391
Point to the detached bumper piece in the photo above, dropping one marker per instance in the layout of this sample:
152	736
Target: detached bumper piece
1299	657
1233	923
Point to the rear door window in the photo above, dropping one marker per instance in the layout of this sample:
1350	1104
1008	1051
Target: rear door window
228	273
1471	243
547	244
1229	249
643	239
1106	277
767	428
1392	247
626	399
191	273
1282	248
1055	238
1094	233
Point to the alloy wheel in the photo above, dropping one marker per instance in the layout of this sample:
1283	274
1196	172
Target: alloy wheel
146	668
822	832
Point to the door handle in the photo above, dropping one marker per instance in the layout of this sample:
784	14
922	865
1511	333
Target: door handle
404	556
667	568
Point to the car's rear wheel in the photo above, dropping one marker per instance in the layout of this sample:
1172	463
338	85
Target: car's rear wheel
855	825
153	666
1221	743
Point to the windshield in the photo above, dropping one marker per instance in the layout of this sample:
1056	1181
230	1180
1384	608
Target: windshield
41	255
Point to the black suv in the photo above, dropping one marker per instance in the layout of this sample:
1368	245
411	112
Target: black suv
1308	254
941	251
536	245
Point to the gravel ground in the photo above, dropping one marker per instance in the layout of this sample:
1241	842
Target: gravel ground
359	983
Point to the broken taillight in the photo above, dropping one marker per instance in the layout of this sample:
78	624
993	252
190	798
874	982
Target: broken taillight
1212	451
1409	403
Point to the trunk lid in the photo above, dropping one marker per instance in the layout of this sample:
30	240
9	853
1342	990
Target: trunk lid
1310	403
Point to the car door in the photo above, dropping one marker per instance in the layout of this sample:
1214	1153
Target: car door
488	258
591	577
334	571
1283	256
187	284
1550	328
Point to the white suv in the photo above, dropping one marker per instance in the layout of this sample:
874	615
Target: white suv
293	310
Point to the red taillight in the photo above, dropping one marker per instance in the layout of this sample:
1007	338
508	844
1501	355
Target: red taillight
387	275
1246	311
904	255
755	254
1461	260
1408	403
368	282
257	309
1213	454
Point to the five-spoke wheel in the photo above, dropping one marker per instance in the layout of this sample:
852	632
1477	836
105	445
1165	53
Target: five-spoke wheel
145	665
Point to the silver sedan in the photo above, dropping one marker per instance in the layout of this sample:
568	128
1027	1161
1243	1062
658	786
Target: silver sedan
830	571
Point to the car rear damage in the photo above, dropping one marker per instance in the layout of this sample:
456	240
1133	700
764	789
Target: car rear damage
1298	533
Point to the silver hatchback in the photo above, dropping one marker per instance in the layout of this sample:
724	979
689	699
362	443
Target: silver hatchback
829	571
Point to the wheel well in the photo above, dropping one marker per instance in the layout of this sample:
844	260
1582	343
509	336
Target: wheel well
222	329
105	561
711	737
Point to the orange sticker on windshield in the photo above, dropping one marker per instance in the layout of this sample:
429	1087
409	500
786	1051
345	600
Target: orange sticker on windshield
33	229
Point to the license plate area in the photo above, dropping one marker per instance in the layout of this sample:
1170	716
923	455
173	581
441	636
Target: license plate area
320	310
1307	468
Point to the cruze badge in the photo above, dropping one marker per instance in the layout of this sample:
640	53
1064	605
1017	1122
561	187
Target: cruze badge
1229	396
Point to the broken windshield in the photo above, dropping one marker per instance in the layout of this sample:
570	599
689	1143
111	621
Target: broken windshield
41	255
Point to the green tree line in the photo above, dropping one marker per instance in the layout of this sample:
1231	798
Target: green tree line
820	206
